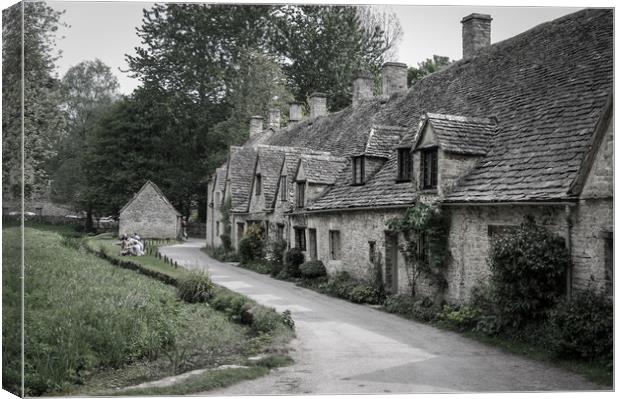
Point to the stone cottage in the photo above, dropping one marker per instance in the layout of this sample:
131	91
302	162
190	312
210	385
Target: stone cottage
520	127
150	214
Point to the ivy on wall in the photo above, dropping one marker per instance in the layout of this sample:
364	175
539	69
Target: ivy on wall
425	229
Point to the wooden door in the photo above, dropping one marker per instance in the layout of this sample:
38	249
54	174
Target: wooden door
391	262
312	238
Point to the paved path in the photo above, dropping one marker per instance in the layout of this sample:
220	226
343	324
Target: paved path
347	348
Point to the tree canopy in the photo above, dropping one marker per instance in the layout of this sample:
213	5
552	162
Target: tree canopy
426	67
43	121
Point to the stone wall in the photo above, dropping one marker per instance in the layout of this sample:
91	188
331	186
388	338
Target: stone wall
356	228
453	167
150	216
600	181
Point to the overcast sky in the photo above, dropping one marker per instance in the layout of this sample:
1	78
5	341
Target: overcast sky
106	30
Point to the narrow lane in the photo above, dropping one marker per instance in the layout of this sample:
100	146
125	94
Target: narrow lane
347	348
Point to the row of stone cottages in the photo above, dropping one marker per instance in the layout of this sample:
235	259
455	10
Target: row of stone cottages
520	127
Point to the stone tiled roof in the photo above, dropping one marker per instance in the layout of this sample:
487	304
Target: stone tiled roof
241	173
220	176
547	87
322	169
382	140
461	134
270	159
160	193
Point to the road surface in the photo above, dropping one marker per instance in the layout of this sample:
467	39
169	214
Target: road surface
342	347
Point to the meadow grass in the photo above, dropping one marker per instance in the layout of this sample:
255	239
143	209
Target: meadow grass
91	326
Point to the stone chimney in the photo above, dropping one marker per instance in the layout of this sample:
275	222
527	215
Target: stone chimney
362	87
318	104
256	125
295	112
476	33
274	118
394	78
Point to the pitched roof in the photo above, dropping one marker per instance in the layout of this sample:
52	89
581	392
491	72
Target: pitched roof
270	159
547	88
241	172
382	140
321	169
147	184
220	178
460	134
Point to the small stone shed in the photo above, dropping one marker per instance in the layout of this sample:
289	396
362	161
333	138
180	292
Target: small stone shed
150	214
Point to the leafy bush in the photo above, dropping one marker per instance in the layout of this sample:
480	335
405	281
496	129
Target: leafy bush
222	254
226	242
265	320
463	318
583	326
406	305
251	245
342	285
231	303
312	269
294	258
195	287
275	252
527	267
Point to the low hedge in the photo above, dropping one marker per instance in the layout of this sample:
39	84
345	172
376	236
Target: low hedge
313	269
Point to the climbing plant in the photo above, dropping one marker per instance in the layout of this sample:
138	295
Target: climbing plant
225	211
425	229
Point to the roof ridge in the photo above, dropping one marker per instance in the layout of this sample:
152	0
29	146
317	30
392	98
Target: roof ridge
462	118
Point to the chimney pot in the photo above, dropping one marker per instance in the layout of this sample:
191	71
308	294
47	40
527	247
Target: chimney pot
362	87
274	118
318	104
394	78
256	125
476	33
294	112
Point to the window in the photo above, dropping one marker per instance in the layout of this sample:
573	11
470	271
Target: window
312	238
283	188
429	168
217	229
358	170
372	251
301	194
300	238
280	231
258	184
334	244
405	164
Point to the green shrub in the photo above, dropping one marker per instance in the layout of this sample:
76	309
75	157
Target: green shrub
312	269
294	258
342	285
527	268
231	303
365	293
406	305
195	287
583	327
251	246
275	252
463	318
226	242
265	320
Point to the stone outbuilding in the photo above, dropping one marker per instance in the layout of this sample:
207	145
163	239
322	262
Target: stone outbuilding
150	214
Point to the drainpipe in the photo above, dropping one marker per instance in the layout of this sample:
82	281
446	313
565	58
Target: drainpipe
569	247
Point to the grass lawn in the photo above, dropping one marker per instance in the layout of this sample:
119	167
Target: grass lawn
92	327
110	245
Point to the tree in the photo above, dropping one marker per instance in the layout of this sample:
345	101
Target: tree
88	89
323	46
43	120
427	67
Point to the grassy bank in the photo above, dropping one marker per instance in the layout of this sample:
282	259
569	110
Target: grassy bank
93	327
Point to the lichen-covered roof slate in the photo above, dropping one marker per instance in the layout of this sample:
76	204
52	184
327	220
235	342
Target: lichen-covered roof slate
220	175
241	174
322	169
547	88
270	159
382	140
462	135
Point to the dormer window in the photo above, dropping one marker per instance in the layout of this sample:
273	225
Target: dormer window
258	184
429	168
301	194
405	164
358	170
